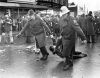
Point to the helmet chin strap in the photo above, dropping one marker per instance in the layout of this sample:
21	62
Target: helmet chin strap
62	13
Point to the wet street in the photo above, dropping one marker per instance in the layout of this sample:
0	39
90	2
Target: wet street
15	62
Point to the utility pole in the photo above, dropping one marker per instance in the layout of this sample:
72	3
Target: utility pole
84	8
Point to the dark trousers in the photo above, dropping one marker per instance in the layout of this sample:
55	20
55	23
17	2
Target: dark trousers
28	39
64	49
90	38
68	49
19	27
44	51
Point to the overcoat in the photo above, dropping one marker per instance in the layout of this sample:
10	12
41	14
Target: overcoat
89	25
82	23
69	27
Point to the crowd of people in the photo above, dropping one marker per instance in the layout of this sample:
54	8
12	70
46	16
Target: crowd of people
90	26
62	28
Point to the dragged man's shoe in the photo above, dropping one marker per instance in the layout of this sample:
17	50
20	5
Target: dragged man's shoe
77	53
79	56
52	49
56	51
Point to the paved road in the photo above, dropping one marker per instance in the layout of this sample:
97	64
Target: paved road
15	62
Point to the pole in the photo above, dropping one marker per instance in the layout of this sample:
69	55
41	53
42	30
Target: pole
84	8
18	12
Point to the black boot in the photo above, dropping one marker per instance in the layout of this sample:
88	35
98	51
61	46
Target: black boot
44	53
93	39
68	63
88	39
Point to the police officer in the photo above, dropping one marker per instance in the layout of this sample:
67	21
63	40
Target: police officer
36	26
69	27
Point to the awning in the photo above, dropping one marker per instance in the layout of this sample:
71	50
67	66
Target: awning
14	5
32	6
3	4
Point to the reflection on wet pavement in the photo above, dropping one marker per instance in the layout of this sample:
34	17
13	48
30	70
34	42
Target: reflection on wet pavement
17	63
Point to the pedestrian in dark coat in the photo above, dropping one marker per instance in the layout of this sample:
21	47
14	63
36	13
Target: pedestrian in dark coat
90	28
37	28
69	27
82	23
96	25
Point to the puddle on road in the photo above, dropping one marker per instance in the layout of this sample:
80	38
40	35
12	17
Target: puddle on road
2	70
2	51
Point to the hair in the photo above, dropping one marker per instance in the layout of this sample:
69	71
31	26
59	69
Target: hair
90	12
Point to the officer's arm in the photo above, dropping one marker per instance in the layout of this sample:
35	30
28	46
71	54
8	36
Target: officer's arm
45	26
24	28
77	28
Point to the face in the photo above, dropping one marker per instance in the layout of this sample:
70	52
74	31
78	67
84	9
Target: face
32	16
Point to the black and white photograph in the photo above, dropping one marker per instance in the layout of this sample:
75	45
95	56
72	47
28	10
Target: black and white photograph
49	38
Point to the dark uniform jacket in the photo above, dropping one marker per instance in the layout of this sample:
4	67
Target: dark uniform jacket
69	27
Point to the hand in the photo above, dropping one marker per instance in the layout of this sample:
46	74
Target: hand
84	41
19	35
51	36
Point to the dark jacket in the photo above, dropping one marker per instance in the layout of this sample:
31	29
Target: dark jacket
69	27
55	26
7	25
89	25
82	23
35	27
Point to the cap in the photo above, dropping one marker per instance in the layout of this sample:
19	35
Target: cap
64	9
31	12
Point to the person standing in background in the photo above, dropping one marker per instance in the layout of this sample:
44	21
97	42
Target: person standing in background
1	21
90	28
8	29
82	23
